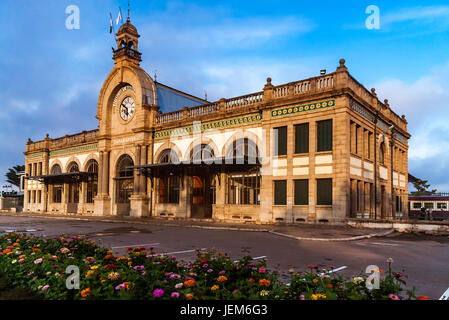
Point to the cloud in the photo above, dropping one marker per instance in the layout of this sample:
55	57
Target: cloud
425	102
422	14
23	105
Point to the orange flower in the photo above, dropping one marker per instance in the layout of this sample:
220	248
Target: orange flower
315	281
204	260
190	283
85	292
329	286
422	298
89	273
222	279
189	296
264	282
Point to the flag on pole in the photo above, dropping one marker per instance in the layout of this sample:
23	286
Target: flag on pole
119	17
111	24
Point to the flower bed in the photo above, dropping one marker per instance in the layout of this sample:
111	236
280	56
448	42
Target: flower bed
40	265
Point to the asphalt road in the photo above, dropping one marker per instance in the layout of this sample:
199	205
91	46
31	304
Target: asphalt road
424	259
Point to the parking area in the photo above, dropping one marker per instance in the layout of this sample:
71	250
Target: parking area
424	259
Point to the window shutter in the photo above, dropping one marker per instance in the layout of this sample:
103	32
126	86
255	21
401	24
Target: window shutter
324	191
324	132
302	138
281	141
280	192
301	192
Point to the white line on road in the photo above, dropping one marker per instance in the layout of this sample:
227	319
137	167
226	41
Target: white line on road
323	273
136	245
256	258
178	252
445	295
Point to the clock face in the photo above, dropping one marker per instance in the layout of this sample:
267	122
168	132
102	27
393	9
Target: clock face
127	108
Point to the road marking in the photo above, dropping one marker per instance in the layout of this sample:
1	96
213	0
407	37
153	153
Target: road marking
136	245
256	258
178	252
445	295
378	243
323	273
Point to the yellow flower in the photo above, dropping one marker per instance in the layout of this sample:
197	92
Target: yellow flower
94	267
130	263
215	287
318	296
315	281
263	293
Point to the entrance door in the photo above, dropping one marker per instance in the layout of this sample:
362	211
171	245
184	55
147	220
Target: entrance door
200	198
72	205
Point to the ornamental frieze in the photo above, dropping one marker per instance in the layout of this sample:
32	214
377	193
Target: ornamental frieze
303	108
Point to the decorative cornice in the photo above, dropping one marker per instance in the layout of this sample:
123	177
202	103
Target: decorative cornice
303	108
87	147
35	155
220	124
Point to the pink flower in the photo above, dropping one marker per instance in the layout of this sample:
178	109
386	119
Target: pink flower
262	270
393	296
222	272
21	261
158	293
175	295
45	287
38	261
301	297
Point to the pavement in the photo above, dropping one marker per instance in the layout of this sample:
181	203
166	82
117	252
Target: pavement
299	231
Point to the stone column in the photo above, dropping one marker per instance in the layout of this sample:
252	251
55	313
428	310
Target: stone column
139	205
100	174
143	161
102	202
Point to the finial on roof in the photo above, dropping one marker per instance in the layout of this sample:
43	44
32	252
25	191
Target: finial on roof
373	91
128	11
342	65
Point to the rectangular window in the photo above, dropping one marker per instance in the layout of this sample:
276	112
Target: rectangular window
280	192
442	205
324	135
35	168
280	141
39	196
243	189
40	169
370	137
302	138
417	205
301	192
30	169
29	196
324	191
428	205
57	193
34	196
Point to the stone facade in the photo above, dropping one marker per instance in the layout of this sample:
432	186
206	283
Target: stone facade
368	140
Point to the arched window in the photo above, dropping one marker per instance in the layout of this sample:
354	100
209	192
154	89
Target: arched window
125	178
74	187
243	148
243	188
92	181
168	186
202	152
56	188
56	169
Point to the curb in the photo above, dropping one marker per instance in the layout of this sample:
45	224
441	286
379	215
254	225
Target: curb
148	222
367	236
272	231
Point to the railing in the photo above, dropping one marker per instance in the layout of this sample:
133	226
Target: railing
169	117
125	51
244	100
204	109
67	141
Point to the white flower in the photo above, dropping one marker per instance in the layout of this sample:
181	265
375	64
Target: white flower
390	260
357	279
14	261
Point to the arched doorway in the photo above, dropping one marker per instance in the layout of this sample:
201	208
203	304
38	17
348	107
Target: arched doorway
124	179
74	190
201	186
168	190
57	189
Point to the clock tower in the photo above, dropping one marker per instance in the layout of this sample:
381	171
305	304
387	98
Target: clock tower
127	42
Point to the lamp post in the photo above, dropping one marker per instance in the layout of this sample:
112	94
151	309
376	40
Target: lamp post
375	163
392	170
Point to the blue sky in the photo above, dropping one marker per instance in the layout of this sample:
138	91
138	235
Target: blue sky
50	77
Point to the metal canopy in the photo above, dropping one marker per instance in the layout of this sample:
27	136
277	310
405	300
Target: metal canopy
200	167
70	177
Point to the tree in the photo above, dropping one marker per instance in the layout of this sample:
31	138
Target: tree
12	176
421	187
